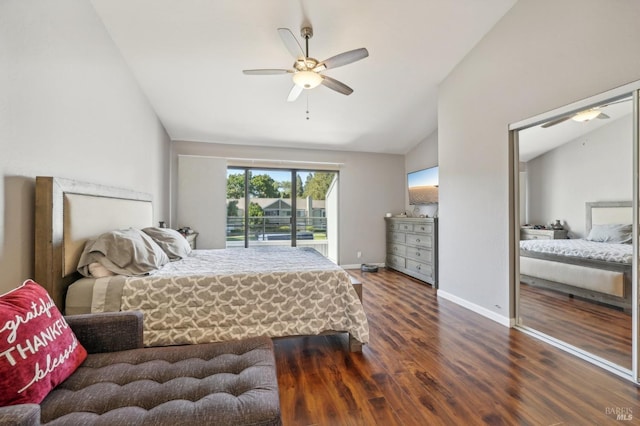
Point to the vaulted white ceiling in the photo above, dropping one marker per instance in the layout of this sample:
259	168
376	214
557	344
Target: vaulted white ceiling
537	140
188	58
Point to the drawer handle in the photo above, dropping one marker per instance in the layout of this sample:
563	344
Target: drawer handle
417	253
422	228
418	268
417	240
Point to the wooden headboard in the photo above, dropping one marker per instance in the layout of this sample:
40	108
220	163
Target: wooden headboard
607	212
67	214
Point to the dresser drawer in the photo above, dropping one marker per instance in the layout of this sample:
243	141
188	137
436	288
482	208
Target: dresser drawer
420	240
426	228
397	237
543	234
395	261
419	254
405	227
419	267
536	237
397	249
400	226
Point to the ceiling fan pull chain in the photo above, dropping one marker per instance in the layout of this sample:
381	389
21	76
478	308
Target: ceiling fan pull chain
307	106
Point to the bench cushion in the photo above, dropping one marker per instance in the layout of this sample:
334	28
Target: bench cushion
227	383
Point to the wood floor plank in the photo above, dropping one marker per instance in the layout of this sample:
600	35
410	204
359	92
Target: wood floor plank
599	329
432	362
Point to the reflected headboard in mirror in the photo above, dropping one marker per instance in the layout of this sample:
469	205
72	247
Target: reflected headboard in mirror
67	214
607	212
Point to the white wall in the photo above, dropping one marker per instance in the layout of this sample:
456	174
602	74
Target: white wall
543	54
594	167
422	156
369	186
70	108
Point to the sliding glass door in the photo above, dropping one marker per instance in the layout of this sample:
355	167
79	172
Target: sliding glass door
575	226
237	183
315	193
267	207
270	207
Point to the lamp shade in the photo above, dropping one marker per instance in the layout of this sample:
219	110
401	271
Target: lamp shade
307	79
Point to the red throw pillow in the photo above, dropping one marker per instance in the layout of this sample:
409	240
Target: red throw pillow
38	350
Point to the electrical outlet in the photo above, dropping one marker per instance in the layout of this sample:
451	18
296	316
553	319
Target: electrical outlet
359	254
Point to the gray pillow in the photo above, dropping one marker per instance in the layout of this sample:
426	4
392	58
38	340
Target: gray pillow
124	252
171	241
611	233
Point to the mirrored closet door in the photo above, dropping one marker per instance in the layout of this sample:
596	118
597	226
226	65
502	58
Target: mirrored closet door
575	230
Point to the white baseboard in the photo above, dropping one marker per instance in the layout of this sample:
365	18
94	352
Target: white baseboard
507	322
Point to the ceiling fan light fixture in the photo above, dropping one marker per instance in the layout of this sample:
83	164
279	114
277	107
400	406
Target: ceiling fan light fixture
307	79
587	115
306	70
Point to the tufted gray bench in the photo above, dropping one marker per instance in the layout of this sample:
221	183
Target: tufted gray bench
227	383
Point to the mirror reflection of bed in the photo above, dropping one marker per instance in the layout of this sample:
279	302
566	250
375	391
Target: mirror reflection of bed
578	289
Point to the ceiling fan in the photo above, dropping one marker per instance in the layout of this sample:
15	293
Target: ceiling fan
307	70
584	115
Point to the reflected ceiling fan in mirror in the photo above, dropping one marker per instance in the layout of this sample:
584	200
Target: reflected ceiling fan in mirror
306	72
585	115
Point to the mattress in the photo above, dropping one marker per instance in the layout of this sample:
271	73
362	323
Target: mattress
216	295
580	248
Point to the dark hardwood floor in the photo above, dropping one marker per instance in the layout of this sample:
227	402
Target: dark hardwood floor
599	329
432	362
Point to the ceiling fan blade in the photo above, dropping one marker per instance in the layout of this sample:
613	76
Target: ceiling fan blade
266	71
603	116
334	84
294	93
291	43
556	121
342	59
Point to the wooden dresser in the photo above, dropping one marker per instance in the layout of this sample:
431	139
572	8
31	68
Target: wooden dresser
412	247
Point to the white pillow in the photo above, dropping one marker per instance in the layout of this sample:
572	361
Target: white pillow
98	271
611	233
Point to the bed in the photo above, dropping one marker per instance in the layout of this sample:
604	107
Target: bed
592	268
278	293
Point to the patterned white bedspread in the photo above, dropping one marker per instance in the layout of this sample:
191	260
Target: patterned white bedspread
216	295
617	253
